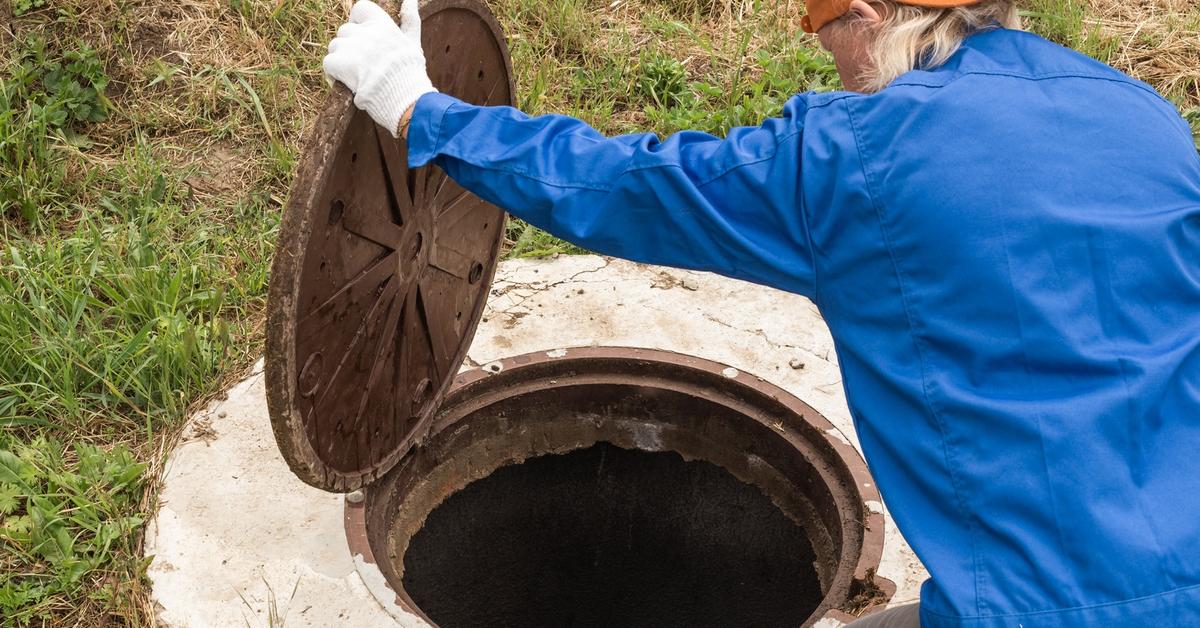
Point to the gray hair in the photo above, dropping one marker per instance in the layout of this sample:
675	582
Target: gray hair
911	37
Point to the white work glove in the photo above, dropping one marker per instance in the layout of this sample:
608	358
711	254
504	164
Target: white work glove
383	64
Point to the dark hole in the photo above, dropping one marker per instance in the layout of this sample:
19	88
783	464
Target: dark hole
336	210
480	77
476	273
608	537
353	157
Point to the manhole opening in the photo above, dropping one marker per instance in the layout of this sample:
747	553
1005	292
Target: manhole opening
602	491
606	536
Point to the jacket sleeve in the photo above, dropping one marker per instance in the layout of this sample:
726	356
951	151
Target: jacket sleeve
731	206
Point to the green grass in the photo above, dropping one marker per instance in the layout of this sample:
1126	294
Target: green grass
145	154
44	99
660	67
1193	117
643	66
133	273
109	330
1066	22
69	525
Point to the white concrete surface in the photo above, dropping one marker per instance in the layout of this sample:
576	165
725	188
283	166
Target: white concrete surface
240	541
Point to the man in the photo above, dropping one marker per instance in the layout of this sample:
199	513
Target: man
1004	237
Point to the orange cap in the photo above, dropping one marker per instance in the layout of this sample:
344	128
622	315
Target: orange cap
822	12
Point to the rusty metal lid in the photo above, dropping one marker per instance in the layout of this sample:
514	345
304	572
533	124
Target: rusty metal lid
380	273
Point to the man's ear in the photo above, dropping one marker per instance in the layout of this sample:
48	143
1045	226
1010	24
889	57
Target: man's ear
865	11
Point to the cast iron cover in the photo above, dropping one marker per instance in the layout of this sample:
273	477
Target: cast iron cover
381	273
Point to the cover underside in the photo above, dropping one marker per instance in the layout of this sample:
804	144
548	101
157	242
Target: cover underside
381	272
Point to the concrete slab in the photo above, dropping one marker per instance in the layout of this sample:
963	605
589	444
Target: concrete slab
238	540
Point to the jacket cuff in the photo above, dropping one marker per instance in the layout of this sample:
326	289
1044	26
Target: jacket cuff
425	128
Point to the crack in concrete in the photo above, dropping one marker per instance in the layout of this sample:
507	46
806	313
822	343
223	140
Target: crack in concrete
536	288
767	338
518	308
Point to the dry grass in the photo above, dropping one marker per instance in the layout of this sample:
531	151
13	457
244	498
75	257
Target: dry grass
1157	41
216	90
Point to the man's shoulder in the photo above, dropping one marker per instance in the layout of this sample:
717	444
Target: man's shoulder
1013	67
1013	54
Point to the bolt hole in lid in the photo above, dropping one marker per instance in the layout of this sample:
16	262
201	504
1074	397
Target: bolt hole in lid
381	272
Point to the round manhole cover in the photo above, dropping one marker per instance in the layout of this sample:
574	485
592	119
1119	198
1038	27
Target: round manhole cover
381	272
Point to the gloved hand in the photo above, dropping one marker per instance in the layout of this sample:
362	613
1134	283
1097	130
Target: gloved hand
382	63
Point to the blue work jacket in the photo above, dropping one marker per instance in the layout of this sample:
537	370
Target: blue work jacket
1007	252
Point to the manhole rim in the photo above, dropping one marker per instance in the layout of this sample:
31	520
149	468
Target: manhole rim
870	550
